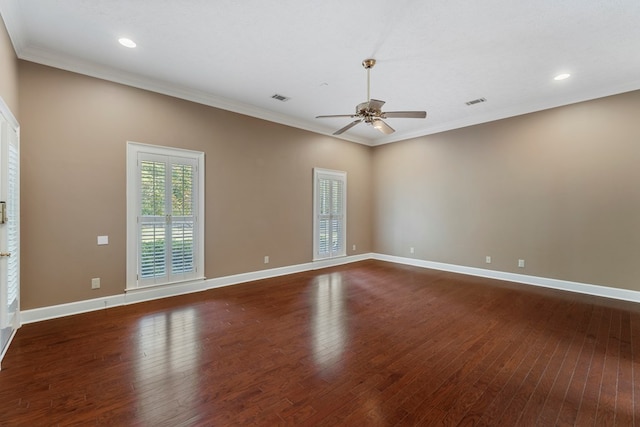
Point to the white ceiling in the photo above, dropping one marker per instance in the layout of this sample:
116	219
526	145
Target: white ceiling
432	55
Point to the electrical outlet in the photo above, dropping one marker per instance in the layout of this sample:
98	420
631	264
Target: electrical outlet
521	263
266	259
354	247
95	283
411	250
487	259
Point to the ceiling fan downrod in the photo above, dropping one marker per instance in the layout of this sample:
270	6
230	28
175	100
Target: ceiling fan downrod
368	65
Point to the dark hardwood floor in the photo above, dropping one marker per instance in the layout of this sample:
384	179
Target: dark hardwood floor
370	343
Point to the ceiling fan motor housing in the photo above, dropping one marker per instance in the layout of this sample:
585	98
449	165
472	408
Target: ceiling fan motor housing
368	63
365	110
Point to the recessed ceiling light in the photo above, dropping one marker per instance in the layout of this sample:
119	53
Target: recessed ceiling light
562	76
127	42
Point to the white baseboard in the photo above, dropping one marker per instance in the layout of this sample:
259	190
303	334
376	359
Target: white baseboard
152	293
565	285
69	309
132	297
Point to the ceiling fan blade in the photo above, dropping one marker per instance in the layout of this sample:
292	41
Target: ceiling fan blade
382	126
404	114
335	115
347	127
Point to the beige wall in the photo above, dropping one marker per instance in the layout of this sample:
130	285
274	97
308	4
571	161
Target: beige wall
8	71
559	189
258	182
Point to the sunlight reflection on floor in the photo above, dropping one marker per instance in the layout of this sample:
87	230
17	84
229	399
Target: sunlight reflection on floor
167	357
329	320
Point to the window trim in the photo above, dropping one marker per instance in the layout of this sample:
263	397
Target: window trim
339	175
133	150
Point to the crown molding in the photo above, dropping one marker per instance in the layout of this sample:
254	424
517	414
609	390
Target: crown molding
518	110
45	57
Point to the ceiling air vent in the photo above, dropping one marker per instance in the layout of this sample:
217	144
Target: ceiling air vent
476	101
280	97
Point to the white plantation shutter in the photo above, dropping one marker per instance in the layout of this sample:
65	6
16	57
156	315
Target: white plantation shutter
10	229
153	256
152	219
182	247
183	219
168	199
13	229
337	218
329	213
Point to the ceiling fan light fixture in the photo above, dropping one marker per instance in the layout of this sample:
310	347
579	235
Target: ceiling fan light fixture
370	111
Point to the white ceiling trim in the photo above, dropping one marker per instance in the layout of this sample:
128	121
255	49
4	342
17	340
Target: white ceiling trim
45	57
505	113
435	56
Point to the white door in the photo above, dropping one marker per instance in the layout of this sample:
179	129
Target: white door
9	228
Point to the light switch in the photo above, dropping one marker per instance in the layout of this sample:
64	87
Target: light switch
103	240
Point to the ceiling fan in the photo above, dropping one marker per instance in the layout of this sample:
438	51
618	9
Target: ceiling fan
371	112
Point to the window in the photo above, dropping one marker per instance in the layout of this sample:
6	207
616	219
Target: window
330	216
165	237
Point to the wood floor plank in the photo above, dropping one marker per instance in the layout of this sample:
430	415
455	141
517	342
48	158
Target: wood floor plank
539	392
557	395
589	403
624	401
573	396
369	343
605	414
500	392
467	407
635	364
526	379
